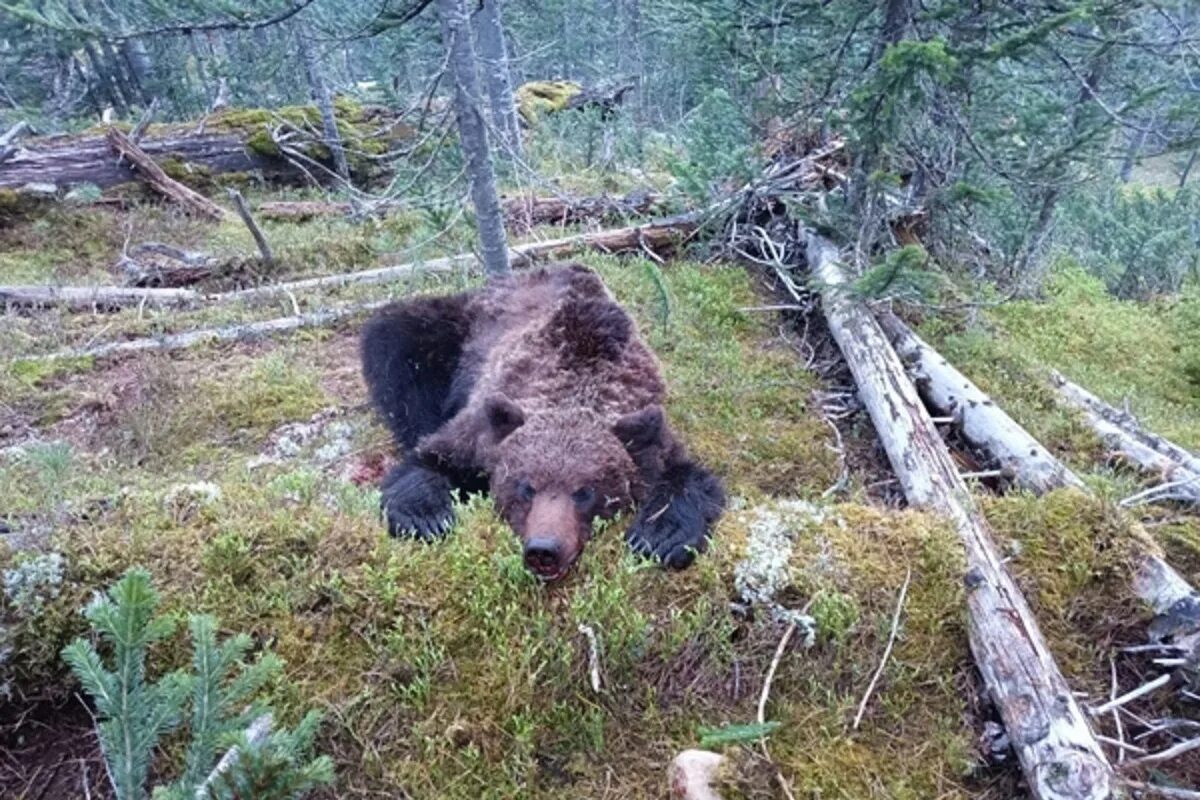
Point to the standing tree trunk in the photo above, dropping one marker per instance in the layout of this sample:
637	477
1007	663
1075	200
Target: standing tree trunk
472	133
324	100
493	56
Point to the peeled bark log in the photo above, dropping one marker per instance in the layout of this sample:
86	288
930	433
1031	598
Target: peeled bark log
1055	745
947	392
167	186
95	298
1123	432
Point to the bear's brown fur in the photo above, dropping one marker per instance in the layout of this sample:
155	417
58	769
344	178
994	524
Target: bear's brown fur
539	387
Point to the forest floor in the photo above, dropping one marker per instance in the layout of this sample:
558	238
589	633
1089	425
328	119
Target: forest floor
242	476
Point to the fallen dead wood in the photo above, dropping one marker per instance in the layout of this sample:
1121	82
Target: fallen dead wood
526	211
231	333
165	185
984	425
1121	432
95	298
656	236
302	210
981	422
158	264
520	213
1058	752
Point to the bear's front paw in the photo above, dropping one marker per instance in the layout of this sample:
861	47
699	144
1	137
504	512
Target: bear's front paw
417	502
669	534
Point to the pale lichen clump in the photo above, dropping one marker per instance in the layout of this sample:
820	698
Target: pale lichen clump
765	570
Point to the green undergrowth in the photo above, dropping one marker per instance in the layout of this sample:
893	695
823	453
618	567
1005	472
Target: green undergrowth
444	670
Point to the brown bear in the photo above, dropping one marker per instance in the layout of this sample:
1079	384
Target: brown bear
538	388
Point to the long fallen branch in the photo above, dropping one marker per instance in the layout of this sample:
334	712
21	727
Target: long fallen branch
154	175
653	236
946	391
1058	752
1125	436
96	298
244	331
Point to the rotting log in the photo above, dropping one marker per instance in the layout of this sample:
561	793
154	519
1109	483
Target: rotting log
95	298
69	161
1058	752
948	392
153	174
302	210
1122	432
156	264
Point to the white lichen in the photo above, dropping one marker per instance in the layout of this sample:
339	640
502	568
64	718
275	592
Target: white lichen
764	572
33	582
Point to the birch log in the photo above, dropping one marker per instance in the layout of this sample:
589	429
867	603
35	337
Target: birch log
1122	432
1057	750
947	392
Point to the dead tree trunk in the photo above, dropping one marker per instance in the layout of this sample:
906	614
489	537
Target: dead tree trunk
982	423
946	391
1058	752
472	134
493	57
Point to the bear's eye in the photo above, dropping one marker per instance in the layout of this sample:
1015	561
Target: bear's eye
525	490
584	496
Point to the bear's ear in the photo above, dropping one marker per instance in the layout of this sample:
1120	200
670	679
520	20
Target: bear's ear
641	430
503	416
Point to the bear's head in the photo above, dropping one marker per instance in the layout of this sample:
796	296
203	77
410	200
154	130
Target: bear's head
555	472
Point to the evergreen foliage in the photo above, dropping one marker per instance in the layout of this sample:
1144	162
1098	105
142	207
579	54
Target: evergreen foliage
134	713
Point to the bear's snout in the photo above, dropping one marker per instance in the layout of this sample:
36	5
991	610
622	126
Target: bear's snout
551	536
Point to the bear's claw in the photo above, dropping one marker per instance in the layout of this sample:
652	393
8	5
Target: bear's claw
667	538
417	502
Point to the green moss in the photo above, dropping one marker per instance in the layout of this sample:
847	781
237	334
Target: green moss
197	176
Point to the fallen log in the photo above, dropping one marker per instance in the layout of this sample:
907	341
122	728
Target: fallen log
165	185
947	392
528	210
69	161
1058	752
302	210
658	236
95	298
157	264
230	333
520	213
1123	433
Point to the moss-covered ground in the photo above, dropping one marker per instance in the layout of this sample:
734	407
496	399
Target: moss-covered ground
444	670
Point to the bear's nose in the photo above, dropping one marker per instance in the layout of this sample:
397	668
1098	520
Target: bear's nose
543	556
